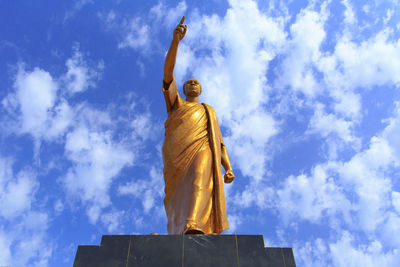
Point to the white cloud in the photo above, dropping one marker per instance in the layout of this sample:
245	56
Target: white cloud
6	172
396	201
38	104
311	254
338	132
136	35
365	173
349	16
374	62
36	93
142	126
79	76
329	185
302	50
358	195
97	160
389	14
234	222
23	229
345	252
247	142
391	133
17	195
147	190
61	118
78	4
366	8
25	241
137	32
312	197
112	220
32	245
16	191
347	104
352	66
256	193
369	174
96	153
170	17
5	251
390	230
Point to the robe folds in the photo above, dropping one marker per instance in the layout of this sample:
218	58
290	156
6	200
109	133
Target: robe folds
194	192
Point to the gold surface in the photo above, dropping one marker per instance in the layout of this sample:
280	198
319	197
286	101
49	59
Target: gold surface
193	151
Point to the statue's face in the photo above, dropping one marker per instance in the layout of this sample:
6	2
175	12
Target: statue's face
192	87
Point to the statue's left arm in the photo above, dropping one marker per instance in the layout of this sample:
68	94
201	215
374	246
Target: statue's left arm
229	176
216	138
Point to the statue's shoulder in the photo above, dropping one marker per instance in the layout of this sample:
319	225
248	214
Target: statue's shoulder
209	110
207	106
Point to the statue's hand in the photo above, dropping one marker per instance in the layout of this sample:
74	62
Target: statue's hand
180	30
229	176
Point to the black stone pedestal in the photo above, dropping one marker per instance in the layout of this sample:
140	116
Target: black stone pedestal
183	250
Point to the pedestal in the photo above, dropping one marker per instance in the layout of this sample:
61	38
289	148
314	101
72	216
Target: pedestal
183	250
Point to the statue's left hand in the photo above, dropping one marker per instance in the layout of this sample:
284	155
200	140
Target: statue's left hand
229	176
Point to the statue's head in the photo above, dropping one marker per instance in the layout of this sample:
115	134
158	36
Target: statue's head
192	87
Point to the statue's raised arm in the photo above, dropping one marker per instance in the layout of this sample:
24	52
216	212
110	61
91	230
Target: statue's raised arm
169	65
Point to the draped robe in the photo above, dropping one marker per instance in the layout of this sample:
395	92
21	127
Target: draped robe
194	192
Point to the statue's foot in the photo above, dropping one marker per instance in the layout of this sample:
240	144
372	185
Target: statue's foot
194	232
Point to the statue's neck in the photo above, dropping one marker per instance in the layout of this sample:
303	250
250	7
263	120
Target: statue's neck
193	99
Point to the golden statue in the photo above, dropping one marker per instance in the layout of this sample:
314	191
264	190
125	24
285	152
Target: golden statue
192	151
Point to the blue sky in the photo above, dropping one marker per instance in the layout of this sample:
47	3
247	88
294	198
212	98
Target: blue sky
306	93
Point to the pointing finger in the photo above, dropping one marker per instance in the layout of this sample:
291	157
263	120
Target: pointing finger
182	20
